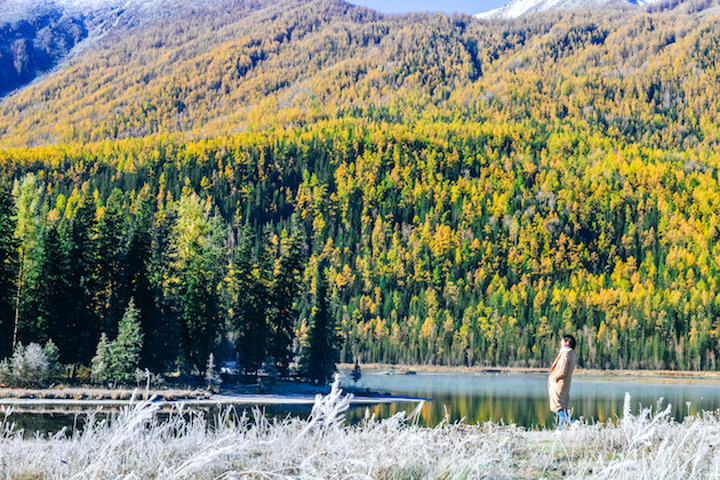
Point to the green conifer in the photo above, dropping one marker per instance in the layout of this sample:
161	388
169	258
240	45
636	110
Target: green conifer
112	296
8	271
124	351
82	287
99	364
251	305
321	353
285	291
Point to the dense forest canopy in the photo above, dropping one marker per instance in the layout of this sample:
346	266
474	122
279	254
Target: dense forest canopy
470	190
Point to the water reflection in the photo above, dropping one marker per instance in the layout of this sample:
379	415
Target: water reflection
45	423
522	398
502	398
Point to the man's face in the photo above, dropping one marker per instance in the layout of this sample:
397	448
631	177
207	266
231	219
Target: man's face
564	343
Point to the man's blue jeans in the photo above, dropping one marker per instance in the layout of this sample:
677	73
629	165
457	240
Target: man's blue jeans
563	418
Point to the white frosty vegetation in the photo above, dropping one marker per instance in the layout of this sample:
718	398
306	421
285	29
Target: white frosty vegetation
30	366
137	445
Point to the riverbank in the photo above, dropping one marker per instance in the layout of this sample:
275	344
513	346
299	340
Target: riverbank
97	394
63	400
297	393
670	376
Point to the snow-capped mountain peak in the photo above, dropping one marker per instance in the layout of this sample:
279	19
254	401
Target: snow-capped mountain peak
518	8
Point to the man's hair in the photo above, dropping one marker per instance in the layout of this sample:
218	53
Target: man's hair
571	341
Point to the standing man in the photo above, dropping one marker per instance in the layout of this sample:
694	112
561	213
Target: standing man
560	378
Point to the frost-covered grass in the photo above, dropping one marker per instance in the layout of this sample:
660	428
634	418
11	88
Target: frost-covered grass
136	445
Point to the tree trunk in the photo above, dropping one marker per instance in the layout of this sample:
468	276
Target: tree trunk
17	299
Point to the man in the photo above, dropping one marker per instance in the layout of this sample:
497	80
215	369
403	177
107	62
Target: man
560	378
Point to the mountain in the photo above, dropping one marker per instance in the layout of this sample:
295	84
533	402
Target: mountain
518	8
222	66
218	66
475	188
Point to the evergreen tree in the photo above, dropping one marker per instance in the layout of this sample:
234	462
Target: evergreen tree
99	363
321	353
164	345
8	271
124	351
111	293
198	268
82	287
28	231
284	295
250	308
198	309
53	355
211	375
138	285
51	295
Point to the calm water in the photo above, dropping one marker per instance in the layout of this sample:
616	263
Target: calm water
508	398
522	398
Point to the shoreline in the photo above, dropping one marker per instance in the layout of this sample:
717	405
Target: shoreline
59	406
293	394
74	399
688	376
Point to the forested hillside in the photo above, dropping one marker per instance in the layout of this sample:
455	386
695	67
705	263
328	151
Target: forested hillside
470	189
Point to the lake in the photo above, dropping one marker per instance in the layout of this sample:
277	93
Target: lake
519	398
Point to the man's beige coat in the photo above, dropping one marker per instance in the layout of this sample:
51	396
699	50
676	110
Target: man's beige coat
560	378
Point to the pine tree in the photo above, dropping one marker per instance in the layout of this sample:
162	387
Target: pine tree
211	376
251	304
99	364
81	282
198	308
53	356
138	284
28	195
111	294
284	294
164	345
8	271
198	268
124	351
51	295
321	353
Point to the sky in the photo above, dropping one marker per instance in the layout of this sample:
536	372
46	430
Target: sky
449	6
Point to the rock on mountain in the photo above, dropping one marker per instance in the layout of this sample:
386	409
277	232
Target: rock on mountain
518	8
33	39
38	35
